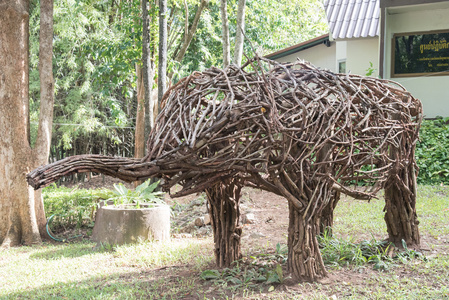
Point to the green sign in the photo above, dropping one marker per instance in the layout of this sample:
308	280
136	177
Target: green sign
421	54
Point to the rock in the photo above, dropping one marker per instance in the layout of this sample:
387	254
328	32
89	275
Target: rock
206	219
248	218
256	235
199	222
182	235
188	229
197	202
204	231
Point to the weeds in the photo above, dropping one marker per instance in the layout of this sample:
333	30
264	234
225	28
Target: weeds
338	252
261	268
409	254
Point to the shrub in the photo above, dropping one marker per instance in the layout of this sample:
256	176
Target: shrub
75	207
432	152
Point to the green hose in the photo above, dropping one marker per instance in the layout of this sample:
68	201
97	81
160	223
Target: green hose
55	238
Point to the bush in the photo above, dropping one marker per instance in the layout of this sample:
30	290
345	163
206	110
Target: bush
75	207
432	152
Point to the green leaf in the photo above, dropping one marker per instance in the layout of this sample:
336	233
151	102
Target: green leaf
279	272
120	189
233	280
210	275
140	188
404	244
153	186
273	278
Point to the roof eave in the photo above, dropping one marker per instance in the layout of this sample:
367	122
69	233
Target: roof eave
299	47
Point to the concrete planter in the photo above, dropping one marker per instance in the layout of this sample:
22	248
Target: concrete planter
126	224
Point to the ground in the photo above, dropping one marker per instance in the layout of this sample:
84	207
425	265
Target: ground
177	269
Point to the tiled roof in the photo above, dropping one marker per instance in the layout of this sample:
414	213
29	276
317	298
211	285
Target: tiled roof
352	18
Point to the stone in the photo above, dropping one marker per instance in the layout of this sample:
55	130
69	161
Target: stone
199	222
204	231
188	229
248	218
256	235
197	202
182	235
206	219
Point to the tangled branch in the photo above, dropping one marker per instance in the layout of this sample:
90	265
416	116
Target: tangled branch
291	129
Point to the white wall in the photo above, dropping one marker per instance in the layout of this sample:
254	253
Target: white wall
431	90
340	53
359	54
320	55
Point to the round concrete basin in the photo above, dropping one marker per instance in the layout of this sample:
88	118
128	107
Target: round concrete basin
126	224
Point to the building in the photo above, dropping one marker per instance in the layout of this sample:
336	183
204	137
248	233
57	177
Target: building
403	40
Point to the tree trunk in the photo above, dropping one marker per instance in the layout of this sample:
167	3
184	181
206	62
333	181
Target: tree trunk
224	212
191	32
400	209
139	135
21	208
225	34
41	150
304	257
327	216
162	76
147	71
239	36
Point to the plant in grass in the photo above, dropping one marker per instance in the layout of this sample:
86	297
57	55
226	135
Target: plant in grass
338	252
262	268
72	207
409	254
144	193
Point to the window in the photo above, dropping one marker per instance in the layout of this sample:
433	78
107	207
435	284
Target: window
342	66
420	53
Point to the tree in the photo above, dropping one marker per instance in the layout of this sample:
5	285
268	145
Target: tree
144	116
22	216
94	72
225	33
189	32
162	75
239	35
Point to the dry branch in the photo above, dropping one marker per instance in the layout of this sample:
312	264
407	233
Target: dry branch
269	120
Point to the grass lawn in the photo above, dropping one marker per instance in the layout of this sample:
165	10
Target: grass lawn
172	270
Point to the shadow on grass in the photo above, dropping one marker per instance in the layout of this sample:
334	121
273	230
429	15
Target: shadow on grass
133	285
62	251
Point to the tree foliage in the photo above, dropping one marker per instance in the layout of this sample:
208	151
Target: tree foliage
97	44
